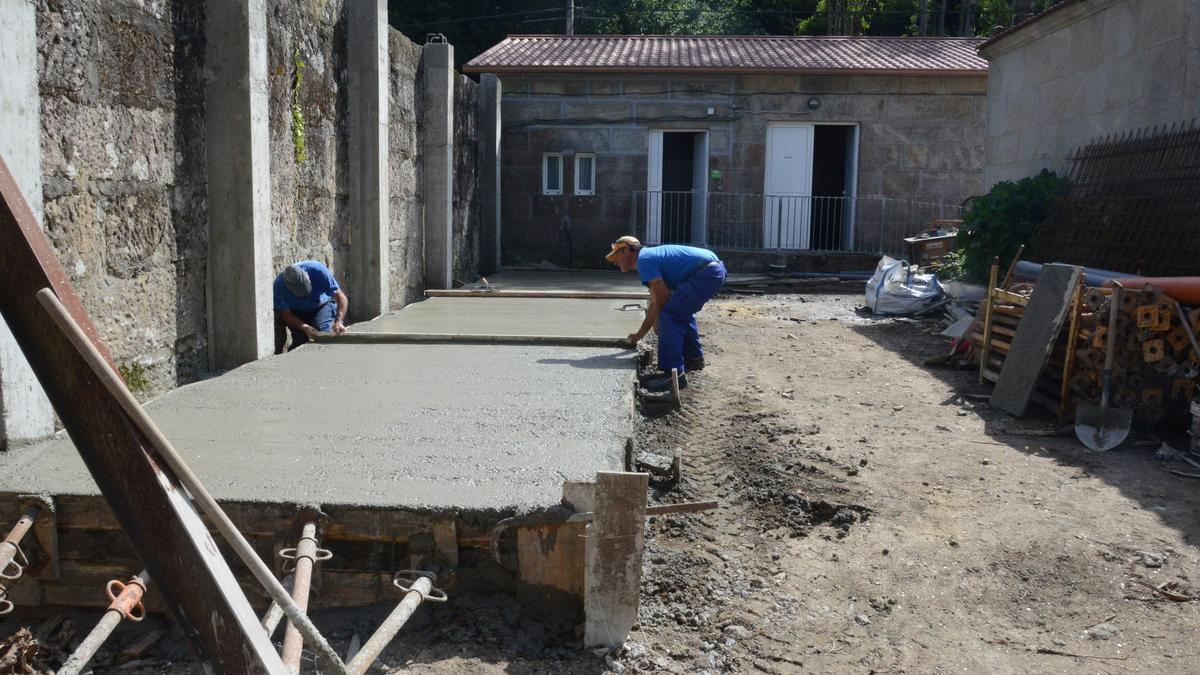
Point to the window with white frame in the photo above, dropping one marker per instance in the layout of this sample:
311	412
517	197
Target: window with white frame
585	173
552	173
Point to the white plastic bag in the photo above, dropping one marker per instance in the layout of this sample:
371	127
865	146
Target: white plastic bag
892	290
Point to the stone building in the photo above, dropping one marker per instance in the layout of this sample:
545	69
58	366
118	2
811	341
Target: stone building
793	144
1084	70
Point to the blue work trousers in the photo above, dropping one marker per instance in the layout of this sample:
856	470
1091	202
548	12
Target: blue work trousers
320	318
678	336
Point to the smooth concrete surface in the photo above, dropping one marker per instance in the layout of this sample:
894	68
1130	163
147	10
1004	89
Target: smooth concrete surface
25	413
489	174
438	163
368	130
240	327
513	316
527	280
423	427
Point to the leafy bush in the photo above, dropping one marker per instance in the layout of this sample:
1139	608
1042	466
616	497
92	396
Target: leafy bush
997	223
950	267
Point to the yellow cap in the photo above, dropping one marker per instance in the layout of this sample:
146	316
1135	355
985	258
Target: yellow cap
622	243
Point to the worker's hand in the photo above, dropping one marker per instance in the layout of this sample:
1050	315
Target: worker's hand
310	332
339	327
633	338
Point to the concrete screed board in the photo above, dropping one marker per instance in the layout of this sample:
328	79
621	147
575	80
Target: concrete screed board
426	427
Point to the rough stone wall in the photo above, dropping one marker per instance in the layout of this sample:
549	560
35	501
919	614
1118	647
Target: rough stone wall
406	236
309	170
468	213
919	138
1086	71
124	171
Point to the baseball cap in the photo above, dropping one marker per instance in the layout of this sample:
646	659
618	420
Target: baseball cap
297	281
622	243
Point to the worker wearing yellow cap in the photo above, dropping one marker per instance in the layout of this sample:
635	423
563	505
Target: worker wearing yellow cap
681	279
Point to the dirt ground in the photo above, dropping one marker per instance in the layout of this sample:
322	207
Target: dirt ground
874	518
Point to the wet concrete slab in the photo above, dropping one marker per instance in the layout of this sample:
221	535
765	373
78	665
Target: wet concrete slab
513	316
423	427
597	280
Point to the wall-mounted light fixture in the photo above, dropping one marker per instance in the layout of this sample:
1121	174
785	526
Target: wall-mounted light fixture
814	103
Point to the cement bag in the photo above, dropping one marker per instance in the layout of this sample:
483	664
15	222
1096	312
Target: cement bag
891	291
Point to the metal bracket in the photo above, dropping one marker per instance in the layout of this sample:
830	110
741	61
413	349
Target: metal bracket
404	580
44	560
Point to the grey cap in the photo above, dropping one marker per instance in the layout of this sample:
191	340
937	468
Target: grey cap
297	281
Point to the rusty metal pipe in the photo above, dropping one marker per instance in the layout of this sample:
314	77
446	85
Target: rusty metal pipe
125	605
419	591
202	497
306	552
12	543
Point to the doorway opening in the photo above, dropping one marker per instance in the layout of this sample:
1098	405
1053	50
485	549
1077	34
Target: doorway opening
832	145
677	190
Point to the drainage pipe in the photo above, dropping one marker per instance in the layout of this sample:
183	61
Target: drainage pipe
126	604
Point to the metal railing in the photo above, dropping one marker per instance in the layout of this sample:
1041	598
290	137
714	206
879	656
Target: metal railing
745	221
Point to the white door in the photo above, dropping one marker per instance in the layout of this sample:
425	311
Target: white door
788	195
654	190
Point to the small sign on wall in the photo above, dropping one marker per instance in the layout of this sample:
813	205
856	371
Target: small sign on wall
715	174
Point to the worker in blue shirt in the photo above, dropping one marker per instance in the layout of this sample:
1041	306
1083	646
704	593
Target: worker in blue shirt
681	279
308	300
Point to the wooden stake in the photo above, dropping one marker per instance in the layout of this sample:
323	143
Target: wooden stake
615	542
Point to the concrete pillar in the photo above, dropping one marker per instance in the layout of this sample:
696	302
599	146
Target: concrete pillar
367	33
240	325
25	412
489	186
437	170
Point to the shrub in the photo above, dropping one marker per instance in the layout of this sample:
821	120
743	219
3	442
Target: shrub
997	223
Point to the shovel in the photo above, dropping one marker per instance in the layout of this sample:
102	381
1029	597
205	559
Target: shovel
1101	427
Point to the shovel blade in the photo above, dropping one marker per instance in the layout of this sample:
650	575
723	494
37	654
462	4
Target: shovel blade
1102	429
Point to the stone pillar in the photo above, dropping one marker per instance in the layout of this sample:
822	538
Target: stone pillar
240	324
437	170
367	33
25	412
489	187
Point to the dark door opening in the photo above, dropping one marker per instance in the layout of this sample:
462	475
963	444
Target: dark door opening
832	145
677	180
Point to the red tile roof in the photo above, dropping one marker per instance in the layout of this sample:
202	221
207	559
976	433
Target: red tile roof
722	53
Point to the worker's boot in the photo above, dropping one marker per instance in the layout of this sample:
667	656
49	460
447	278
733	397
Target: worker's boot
693	363
660	383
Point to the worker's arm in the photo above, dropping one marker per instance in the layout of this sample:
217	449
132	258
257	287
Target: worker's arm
294	321
343	303
658	298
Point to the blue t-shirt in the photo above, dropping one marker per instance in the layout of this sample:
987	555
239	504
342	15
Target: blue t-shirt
672	263
323	286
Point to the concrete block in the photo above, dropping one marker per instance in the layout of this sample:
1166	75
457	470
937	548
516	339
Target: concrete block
914	157
928	108
557	85
523	112
597	112
719	143
367	68
964	85
616	538
567	139
879	156
646	87
241	327
702	88
25	413
438	168
629	140
603	85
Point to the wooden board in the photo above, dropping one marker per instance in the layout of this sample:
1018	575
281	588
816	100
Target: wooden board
615	542
1038	331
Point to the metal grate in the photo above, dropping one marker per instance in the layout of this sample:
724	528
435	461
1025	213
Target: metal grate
1132	205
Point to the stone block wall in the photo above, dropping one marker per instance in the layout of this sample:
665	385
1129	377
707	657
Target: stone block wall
920	138
468	214
306	71
1085	72
405	236
124	188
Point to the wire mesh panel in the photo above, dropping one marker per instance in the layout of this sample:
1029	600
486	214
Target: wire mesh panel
1132	205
